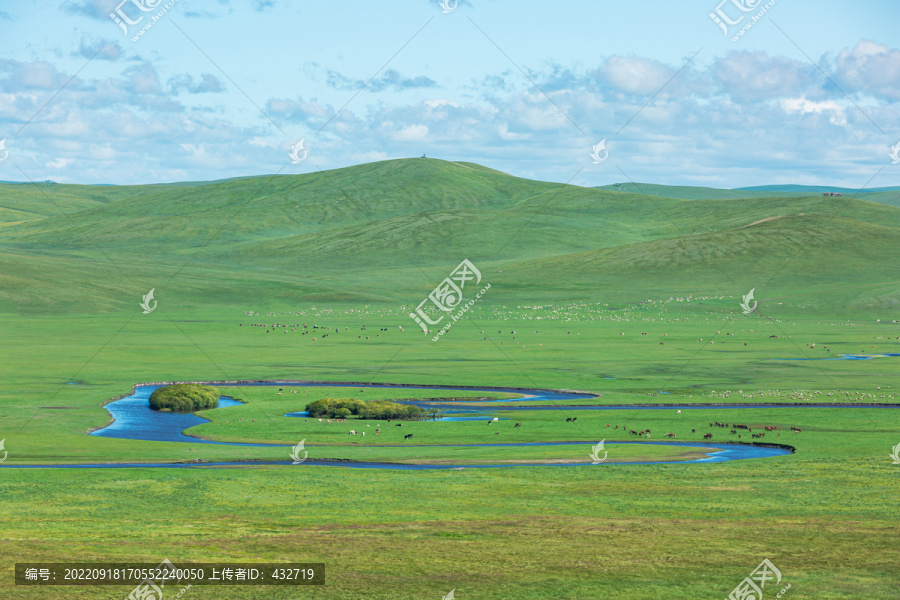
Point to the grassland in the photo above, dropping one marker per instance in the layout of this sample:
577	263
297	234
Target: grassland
615	293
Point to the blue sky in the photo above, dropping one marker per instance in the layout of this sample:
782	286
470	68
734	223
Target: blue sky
810	94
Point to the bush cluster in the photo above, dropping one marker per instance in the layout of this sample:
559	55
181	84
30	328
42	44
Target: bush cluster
341	408
184	397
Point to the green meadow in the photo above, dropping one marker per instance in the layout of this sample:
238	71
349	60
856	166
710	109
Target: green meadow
629	295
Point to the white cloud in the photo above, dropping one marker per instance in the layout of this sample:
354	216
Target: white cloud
60	163
836	113
635	75
506	134
735	121
412	133
754	76
438	102
261	142
869	68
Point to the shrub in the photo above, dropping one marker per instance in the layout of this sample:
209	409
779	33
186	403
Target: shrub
184	397
338	408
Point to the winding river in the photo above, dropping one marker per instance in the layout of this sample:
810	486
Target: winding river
133	419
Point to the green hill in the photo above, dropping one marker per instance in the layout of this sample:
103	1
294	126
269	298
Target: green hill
387	232
884	195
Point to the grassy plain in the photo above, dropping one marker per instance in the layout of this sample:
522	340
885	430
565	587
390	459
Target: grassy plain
361	247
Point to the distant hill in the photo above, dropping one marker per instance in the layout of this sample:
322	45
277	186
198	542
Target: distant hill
388	232
816	189
884	195
688	192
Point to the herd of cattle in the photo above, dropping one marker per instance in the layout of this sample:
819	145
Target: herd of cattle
316	329
749	429
734	429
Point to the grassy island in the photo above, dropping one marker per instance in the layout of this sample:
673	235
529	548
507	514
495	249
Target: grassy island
184	397
374	409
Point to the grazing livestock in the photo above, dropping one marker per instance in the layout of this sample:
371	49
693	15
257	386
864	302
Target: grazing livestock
399	425
518	424
407	436
707	436
633	431
671	435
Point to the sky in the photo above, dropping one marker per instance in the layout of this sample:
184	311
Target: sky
782	92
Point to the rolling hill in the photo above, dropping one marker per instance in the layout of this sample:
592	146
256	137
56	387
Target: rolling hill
387	232
884	195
